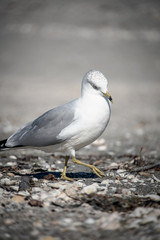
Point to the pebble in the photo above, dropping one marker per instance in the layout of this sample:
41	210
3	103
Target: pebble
90	189
102	148
36	189
153	197
121	172
110	222
89	221
18	198
11	164
9	221
15	188
24	193
113	189
139	131
71	192
135	179
130	176
7	182
106	182
126	192
10	174
25	171
140	211
113	166
98	142
13	157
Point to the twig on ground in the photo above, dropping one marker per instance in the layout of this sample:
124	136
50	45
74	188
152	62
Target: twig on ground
145	168
155	178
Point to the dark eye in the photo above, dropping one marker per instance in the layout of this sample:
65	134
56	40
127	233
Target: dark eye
94	86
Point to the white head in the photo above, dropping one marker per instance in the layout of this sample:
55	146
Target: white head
94	82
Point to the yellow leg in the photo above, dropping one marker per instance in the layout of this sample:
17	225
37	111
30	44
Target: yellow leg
94	169
63	176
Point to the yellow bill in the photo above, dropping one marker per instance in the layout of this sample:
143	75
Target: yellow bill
107	94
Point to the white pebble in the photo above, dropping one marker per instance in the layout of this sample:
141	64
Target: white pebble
13	157
99	142
24	193
130	176
106	182
89	221
7	181
135	180
102	148
126	192
15	188
10	164
90	189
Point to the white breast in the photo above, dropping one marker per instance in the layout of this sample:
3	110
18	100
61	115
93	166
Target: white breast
91	118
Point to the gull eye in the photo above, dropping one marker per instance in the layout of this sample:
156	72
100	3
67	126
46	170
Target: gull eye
94	86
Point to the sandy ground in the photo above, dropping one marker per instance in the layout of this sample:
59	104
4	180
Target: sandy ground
45	49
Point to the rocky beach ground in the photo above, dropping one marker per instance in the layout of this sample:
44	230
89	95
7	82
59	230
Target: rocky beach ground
46	47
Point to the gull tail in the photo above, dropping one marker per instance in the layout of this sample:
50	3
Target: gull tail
3	145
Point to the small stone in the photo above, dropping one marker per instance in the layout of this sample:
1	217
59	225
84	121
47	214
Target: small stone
64	197
130	176
90	189
7	182
10	174
139	131
36	189
78	185
18	198
25	171
106	182
50	177
13	157
67	221
121	172
35	179
113	189
153	197
126	192
110	222
99	142
11	164
35	203
71	192
89	221
140	211
24	193
113	166
15	188
149	219
25	183
9	221
102	148
134	180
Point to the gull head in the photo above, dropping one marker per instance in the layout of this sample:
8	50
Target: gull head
94	82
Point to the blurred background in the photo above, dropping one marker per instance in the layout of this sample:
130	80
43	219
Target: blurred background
47	46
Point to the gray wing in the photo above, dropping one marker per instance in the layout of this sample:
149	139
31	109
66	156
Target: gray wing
44	130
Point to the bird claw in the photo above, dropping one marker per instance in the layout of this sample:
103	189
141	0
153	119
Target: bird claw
97	172
64	177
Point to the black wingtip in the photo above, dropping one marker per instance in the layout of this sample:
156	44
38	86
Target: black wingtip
3	144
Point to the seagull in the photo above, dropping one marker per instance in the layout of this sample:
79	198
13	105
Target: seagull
72	126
